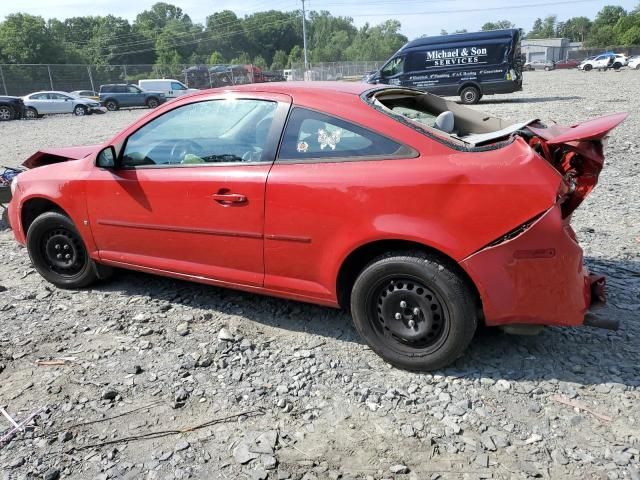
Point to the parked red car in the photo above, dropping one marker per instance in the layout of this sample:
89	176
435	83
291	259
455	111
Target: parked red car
566	64
421	216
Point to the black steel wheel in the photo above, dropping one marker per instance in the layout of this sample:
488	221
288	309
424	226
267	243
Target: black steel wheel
58	252
152	102
414	310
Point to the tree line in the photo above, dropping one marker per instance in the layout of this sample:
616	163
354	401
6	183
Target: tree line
166	35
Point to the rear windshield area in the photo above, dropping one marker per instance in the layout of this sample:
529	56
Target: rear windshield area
441	118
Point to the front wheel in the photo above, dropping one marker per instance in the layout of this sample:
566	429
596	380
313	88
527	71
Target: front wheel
470	95
414	310
152	103
80	111
58	252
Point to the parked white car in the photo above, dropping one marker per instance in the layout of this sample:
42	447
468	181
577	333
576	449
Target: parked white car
604	62
171	88
634	63
44	103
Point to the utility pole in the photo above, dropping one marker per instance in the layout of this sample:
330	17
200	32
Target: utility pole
304	38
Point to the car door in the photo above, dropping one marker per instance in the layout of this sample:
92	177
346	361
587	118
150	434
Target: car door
64	103
318	196
188	193
135	96
39	101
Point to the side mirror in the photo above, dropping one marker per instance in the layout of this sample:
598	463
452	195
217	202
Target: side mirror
106	158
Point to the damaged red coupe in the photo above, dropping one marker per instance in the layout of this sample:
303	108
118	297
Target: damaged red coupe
421	216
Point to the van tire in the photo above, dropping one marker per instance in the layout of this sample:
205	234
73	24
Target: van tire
470	95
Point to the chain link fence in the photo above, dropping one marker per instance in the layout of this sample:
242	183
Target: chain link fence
345	71
22	79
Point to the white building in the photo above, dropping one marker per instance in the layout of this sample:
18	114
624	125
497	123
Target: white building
553	49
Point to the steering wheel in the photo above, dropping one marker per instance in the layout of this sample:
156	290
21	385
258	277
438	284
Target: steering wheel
253	155
181	148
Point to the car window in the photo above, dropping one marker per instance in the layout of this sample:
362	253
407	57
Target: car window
39	96
215	131
314	135
132	89
394	67
177	86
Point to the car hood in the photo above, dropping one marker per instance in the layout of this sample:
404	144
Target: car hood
47	156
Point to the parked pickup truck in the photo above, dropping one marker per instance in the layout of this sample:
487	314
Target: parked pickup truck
115	96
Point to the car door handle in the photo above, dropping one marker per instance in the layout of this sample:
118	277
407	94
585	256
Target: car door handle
226	198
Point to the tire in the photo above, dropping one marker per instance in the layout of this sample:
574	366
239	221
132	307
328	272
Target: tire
546	69
617	66
470	95
111	105
6	113
638	66
403	287
53	232
152	102
588	68
80	111
31	113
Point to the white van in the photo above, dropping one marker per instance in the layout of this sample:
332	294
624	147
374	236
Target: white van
171	88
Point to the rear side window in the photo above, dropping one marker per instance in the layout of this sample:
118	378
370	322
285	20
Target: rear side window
311	135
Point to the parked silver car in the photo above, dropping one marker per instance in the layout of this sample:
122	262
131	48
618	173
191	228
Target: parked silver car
44	103
539	65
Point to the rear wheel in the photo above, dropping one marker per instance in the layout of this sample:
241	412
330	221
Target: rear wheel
546	69
58	252
470	95
6	113
152	103
588	68
414	310
31	113
617	66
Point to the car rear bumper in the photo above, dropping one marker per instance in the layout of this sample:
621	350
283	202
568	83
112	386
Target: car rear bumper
538	277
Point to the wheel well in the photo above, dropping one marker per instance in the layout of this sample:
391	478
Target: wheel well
469	84
35	207
111	100
357	260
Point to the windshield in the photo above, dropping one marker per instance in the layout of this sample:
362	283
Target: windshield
394	67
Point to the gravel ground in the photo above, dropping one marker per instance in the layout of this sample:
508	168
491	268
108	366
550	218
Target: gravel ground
164	379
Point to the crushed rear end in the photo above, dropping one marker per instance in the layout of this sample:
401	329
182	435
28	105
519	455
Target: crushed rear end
534	275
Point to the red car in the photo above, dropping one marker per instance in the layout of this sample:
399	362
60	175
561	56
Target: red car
566	64
421	216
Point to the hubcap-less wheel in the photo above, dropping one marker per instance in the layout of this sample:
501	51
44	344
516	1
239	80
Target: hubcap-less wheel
5	113
410	313
63	252
153	103
112	106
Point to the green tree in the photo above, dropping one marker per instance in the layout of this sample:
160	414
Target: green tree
544	28
280	60
576	29
26	39
215	58
499	25
376	43
225	34
296	55
242	59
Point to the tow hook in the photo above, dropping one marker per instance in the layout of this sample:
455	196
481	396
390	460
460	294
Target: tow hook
593	320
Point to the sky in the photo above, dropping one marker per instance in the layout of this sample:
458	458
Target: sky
418	17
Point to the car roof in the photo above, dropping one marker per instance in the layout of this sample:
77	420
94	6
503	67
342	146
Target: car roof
49	91
320	88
